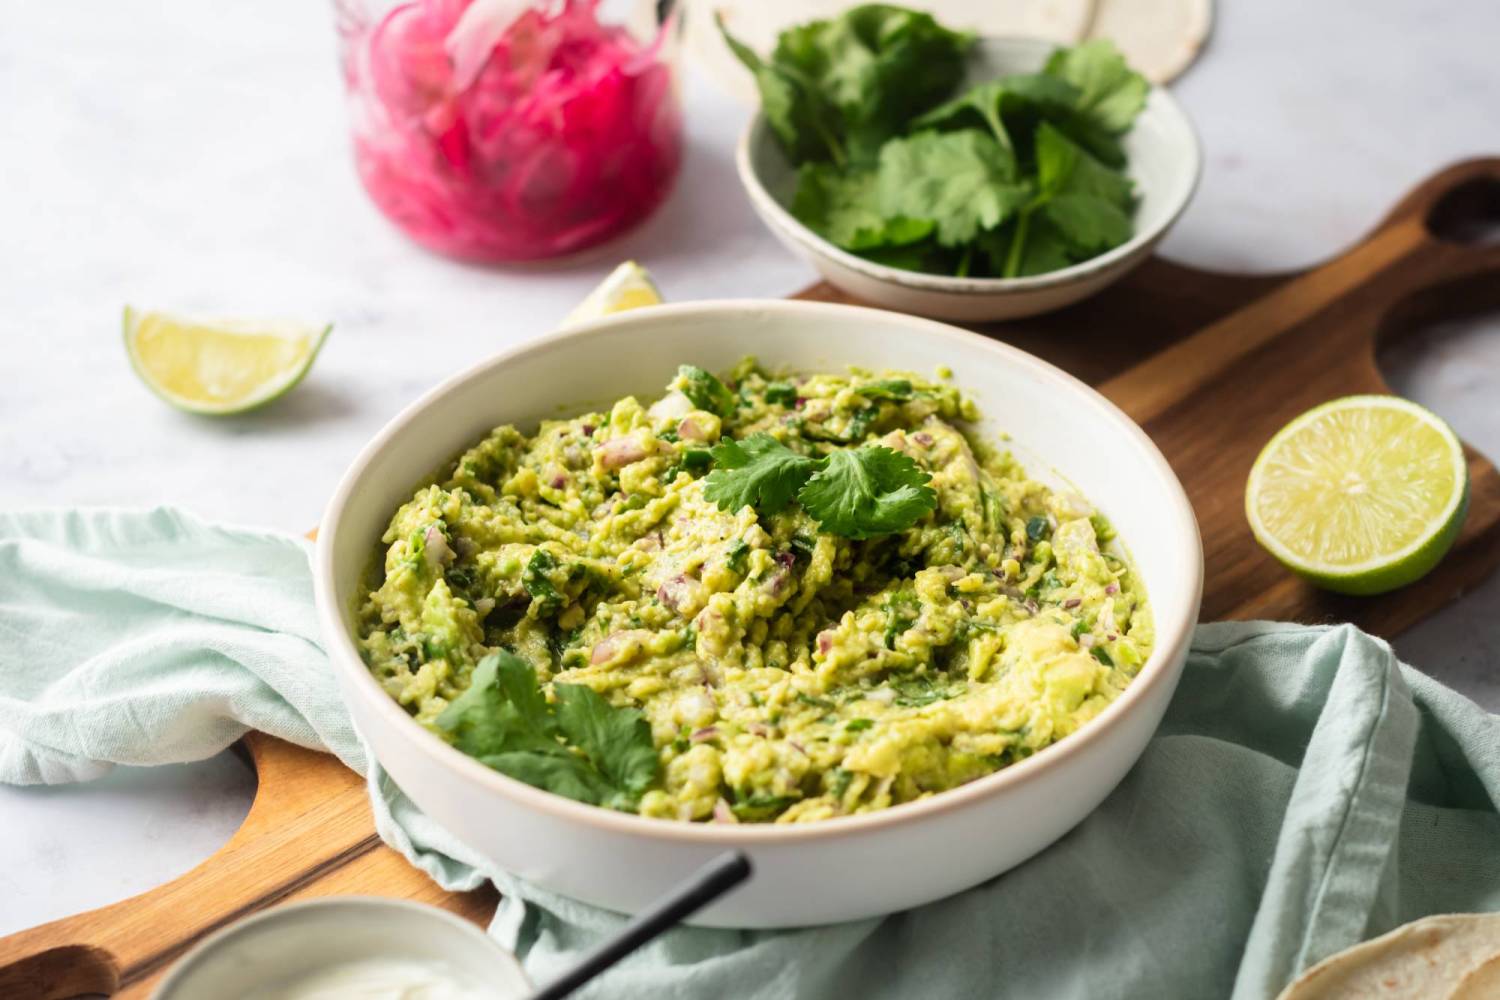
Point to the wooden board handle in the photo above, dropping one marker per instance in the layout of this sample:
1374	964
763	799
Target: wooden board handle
309	832
1425	245
306	804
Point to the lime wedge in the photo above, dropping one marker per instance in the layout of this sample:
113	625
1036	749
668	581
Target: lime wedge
219	367
1360	495
628	286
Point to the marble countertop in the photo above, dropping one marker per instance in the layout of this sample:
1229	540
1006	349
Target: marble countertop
168	157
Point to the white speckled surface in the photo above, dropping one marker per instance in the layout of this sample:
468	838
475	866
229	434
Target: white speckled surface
188	155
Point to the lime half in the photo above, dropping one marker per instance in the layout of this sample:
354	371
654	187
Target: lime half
1360	495
220	366
628	286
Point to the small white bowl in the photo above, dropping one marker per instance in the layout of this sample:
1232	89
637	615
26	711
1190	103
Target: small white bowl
287	942
1164	161
1062	431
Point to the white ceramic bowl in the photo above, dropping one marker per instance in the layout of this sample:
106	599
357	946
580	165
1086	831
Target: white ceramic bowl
1164	161
287	942
805	874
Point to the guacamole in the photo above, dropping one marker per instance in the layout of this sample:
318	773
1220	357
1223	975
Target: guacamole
895	609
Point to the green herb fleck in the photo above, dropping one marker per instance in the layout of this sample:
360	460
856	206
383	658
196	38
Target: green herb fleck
534	579
898	389
760	807
781	394
704	390
737	555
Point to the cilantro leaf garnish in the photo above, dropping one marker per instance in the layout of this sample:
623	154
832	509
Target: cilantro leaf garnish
617	741
758	472
583	748
866	492
855	493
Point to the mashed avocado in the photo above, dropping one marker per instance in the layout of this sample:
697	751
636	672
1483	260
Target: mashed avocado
783	671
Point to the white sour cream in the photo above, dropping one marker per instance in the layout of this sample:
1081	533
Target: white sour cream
383	979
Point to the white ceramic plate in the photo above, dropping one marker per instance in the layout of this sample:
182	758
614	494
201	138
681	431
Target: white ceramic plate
838	869
1164	161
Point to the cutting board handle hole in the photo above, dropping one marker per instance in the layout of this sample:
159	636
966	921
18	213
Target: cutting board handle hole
1469	214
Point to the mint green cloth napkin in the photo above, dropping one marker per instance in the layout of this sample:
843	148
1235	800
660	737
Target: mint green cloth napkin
1306	790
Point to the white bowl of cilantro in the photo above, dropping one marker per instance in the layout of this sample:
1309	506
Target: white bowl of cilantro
924	170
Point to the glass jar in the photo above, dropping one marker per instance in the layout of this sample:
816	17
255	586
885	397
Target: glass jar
502	130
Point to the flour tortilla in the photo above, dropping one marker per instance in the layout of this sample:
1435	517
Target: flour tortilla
758	22
1160	38
1428	959
1481	983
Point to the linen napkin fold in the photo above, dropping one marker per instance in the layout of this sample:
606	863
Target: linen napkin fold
1304	792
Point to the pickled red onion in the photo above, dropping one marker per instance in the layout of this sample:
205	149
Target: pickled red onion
497	130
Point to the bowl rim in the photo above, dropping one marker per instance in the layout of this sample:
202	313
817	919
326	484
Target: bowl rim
756	131
1172	637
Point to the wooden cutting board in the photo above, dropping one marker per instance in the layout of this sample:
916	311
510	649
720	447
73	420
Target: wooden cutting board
1210	364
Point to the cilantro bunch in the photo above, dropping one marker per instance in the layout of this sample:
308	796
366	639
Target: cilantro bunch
853	492
1017	176
582	747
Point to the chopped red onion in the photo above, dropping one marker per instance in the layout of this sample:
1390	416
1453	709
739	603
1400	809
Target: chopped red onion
620	452
435	547
613	644
673	406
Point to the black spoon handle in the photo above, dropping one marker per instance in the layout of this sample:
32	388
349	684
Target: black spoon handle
703	887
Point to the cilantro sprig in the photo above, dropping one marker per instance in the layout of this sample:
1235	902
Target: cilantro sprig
856	493
758	472
582	747
1015	176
